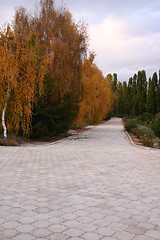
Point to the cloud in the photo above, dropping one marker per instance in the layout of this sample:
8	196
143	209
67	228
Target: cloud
126	44
124	34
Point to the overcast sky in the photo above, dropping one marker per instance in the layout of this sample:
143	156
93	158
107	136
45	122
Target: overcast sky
124	34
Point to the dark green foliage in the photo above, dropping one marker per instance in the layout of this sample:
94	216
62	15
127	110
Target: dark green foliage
125	98
130	124
141	91
119	101
114	82
137	97
158	98
108	116
156	125
54	118
151	97
134	99
158	95
130	95
145	118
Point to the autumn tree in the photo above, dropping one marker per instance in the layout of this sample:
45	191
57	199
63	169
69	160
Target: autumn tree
21	71
59	36
97	94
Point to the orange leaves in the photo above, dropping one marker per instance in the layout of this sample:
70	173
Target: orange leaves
96	102
21	72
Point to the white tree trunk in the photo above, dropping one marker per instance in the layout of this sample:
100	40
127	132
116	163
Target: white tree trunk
3	114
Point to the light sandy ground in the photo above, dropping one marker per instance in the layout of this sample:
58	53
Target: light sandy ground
95	185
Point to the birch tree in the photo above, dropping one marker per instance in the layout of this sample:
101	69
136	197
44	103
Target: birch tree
21	77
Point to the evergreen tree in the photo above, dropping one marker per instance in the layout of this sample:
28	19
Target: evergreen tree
151	97
130	95
114	82
158	95
119	100
125	98
114	89
134	96
141	91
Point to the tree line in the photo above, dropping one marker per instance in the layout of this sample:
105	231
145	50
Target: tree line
136	96
48	81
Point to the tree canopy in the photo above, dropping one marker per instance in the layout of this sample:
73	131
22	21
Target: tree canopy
47	82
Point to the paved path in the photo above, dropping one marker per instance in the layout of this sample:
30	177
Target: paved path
93	186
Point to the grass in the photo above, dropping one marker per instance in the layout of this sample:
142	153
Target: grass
146	129
143	132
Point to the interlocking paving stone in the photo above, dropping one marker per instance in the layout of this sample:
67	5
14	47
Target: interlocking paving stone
41	233
73	232
122	235
142	237
9	233
153	234
91	236
93	186
105	231
24	237
57	236
57	228
25	228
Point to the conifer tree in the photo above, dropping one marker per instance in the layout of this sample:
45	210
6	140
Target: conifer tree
158	95
151	96
114	82
125	98
130	95
119	100
134	96
141	91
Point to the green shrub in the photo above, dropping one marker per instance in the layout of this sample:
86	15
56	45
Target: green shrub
156	125
157	115
139	133
50	119
148	141
129	124
146	118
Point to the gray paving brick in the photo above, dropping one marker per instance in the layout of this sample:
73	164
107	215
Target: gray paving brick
92	186
153	234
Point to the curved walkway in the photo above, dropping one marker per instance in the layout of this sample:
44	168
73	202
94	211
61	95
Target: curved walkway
92	186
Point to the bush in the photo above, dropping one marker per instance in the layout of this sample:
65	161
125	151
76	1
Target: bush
156	125
129	124
148	141
146	118
139	133
54	118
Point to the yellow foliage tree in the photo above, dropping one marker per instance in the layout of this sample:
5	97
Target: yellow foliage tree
21	77
60	36
97	94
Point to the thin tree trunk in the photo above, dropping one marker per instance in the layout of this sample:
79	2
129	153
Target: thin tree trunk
4	112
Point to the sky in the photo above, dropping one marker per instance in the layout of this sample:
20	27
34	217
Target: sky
124	34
